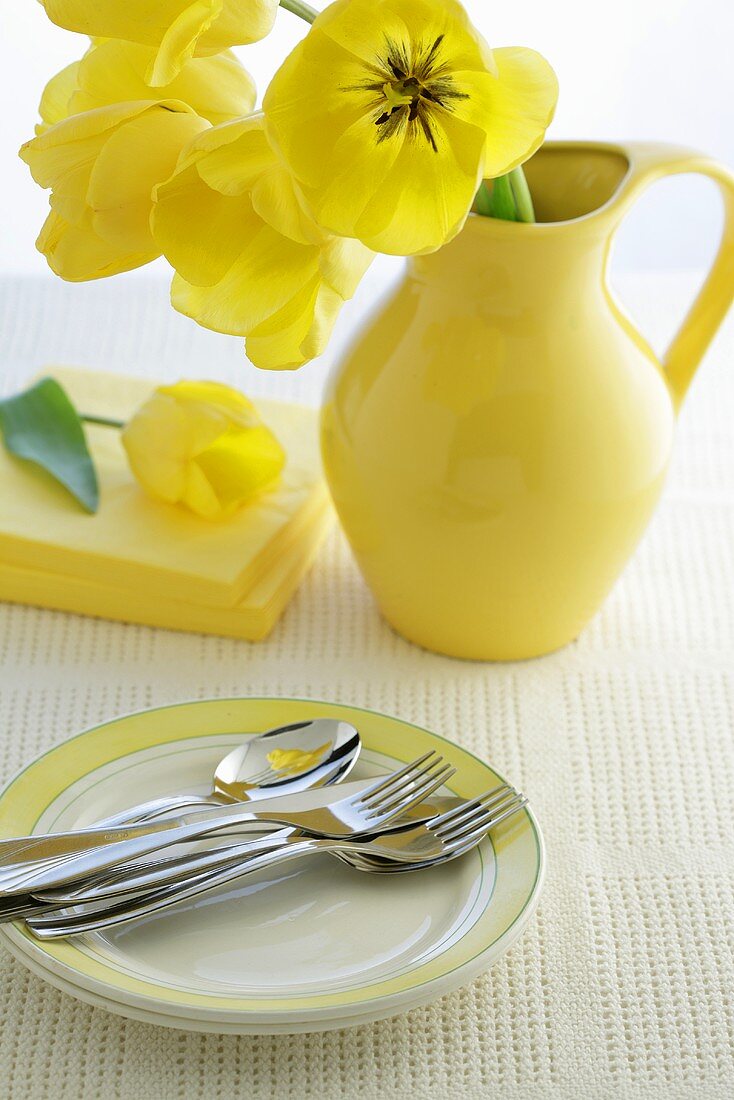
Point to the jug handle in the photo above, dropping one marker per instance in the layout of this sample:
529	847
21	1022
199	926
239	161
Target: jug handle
649	162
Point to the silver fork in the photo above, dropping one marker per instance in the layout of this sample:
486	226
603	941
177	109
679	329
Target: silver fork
162	872
364	807
440	839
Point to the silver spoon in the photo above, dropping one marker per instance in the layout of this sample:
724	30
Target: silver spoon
290	758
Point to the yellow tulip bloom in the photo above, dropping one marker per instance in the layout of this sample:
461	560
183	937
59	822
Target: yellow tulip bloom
203	445
249	261
178	29
391	112
102	166
217	88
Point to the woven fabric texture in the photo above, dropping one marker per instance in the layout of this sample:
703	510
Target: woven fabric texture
623	985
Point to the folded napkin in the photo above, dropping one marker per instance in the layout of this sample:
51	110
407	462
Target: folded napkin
140	560
252	619
156	551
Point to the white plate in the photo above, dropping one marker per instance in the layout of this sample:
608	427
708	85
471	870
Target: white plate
312	945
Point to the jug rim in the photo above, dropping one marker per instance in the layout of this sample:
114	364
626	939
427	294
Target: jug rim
598	214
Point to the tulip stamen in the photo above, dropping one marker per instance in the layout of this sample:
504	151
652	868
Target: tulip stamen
412	83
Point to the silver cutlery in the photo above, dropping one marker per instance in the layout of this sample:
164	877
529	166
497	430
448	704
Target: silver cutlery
300	756
16	906
437	840
365	806
157	873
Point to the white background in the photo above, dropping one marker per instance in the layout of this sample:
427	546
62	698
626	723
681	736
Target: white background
659	69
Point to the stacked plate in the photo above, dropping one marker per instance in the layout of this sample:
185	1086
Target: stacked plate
307	946
140	560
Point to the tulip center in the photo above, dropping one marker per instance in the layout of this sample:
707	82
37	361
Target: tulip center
411	84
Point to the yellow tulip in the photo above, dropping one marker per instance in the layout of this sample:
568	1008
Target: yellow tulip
216	88
178	29
390	113
203	445
101	167
248	259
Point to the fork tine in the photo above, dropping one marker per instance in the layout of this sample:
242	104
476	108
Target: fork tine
412	790
481	816
472	810
421	789
470	804
407	783
394	777
406	800
479	828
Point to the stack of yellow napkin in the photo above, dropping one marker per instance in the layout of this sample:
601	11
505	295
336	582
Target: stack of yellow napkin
140	560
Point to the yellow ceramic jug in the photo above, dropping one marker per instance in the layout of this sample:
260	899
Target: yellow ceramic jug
497	436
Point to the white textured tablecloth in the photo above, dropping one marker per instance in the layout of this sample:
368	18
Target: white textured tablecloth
624	984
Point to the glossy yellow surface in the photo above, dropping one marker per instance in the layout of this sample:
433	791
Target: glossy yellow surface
498	435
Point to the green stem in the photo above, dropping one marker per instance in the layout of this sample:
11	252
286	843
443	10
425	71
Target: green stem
521	194
503	200
299	8
104	421
508	198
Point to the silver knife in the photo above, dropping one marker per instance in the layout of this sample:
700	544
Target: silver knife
40	862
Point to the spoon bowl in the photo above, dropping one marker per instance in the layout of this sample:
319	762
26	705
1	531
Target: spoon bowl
300	756
292	758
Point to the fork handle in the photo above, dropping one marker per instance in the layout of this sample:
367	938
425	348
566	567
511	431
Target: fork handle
102	851
160	872
55	926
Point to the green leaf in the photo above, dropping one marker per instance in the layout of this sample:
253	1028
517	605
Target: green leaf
42	426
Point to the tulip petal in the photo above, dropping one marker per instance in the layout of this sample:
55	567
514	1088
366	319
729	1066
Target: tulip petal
425	200
213	400
361	27
326	310
274	199
131	162
276	343
514	109
323	127
179	42
134	20
236	155
77	254
241	22
217	88
239	464
343	263
156	443
198	495
270	270
364	26
74	141
198	230
54	105
300	331
236	22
